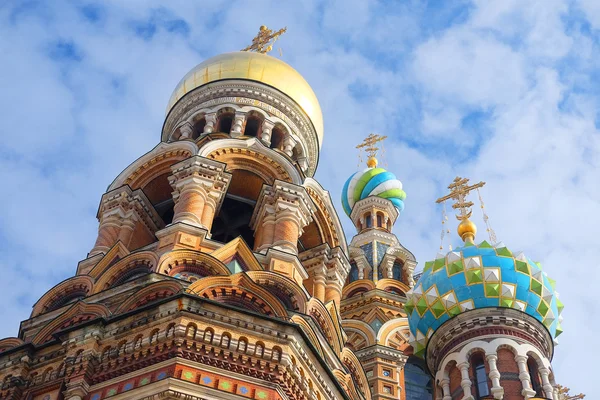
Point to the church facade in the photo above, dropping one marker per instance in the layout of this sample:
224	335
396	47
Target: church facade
221	271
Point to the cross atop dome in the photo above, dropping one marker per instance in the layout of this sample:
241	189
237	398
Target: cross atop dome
263	42
371	148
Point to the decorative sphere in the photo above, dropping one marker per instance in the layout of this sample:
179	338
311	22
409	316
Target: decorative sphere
466	227
372	182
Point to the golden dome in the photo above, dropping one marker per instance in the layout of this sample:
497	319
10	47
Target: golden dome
467	230
255	67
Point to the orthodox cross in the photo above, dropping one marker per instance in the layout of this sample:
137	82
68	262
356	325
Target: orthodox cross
263	42
371	148
459	189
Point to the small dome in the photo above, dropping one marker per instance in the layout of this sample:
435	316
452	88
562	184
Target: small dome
479	276
372	182
254	67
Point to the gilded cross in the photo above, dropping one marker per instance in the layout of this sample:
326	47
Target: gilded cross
263	42
459	189
370	144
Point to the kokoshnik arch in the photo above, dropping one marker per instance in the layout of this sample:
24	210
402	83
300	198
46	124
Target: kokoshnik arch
221	271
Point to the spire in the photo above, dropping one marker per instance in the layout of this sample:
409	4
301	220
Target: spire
263	42
459	190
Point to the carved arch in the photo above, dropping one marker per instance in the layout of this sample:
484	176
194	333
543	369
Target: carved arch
238	290
80	312
200	263
281	286
9	343
326	215
74	287
139	261
309	331
361	327
393	285
358	286
322	317
155	291
388	331
355	368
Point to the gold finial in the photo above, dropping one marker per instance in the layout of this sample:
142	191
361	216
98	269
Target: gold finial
459	189
263	42
371	148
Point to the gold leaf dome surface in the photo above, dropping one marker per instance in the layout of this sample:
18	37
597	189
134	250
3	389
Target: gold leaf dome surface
255	67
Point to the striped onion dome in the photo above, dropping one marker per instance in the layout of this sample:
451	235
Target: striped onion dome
372	182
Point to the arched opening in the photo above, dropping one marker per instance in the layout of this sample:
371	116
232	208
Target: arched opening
159	192
380	220
198	128
131	274
369	221
353	275
481	382
242	344
190	331
397	270
225	340
259	349
311	237
276	354
253	124
356	292
234	217
418	383
225	120
277	137
208	335
534	376
70	298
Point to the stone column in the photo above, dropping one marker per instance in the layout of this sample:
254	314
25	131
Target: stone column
121	210
548	389
497	390
288	145
199	186
465	382
185	131
211	120
281	213
527	391
319	281
267	129
238	124
446	389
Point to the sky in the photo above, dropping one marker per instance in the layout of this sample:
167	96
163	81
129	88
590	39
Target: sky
502	91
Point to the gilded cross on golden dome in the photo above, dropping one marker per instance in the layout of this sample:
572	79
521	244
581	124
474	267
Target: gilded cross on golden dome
263	42
459	189
371	148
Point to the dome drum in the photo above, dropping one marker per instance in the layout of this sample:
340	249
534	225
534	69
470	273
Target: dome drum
250	83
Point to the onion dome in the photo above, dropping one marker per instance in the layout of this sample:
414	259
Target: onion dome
258	67
480	276
372	181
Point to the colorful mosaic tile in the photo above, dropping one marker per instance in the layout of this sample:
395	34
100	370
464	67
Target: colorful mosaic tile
128	386
478	276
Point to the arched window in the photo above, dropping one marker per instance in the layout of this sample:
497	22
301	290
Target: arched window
259	349
481	381
277	136
276	354
208	335
137	343
122	348
379	220
190	331
417	382
253	125
171	331
225	340
397	270
353	272
154	336
225	122
534	376
242	344
369	221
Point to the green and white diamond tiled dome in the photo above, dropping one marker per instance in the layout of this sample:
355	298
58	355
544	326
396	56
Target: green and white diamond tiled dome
479	276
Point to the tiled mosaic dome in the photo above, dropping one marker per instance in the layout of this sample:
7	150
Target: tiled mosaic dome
479	276
372	182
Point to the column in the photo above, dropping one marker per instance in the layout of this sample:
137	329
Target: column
199	186
465	381
527	392
319	282
185	131
497	390
446	388
238	124
548	389
288	145
211	120
267	129
281	213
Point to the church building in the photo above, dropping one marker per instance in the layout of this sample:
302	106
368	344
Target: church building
221	271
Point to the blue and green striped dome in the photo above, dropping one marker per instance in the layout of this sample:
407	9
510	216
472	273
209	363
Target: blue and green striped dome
372	182
479	276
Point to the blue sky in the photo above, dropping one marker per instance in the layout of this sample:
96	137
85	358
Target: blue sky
504	91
